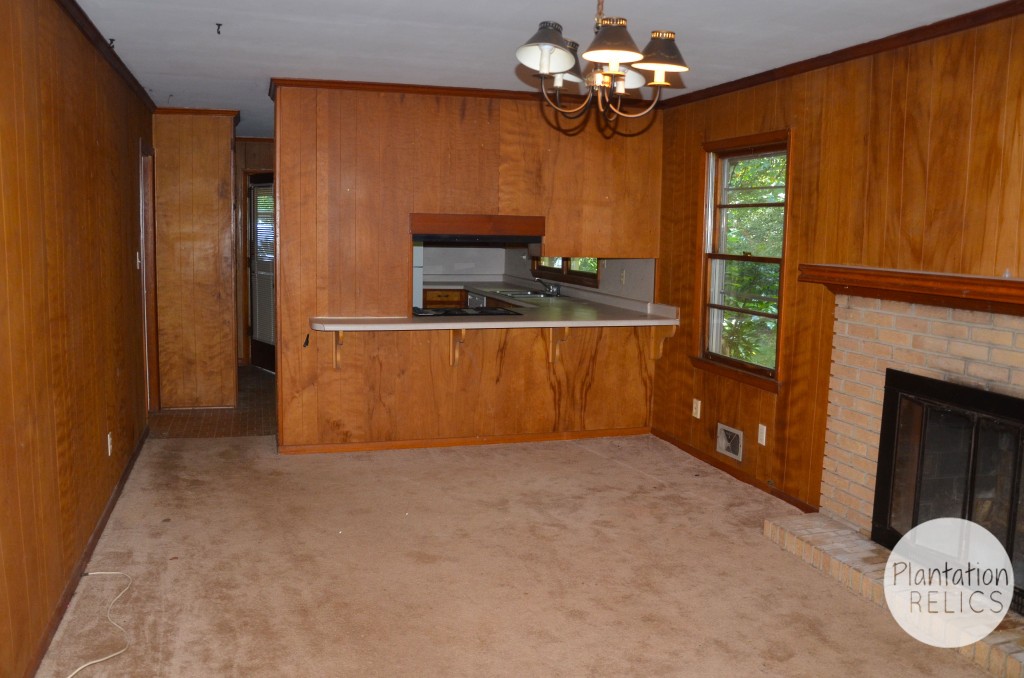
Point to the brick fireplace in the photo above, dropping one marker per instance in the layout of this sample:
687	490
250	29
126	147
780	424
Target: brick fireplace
923	333
980	349
961	329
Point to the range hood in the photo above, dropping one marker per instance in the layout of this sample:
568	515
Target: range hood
475	228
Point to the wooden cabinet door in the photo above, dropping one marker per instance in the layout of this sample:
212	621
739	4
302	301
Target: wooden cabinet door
601	194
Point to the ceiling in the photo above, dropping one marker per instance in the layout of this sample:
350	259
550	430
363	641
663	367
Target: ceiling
173	48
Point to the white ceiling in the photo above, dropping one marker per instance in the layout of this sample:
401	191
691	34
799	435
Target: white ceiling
173	48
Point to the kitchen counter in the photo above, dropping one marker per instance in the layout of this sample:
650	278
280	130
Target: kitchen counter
562	311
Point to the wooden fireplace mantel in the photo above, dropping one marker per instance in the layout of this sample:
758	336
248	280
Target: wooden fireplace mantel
976	293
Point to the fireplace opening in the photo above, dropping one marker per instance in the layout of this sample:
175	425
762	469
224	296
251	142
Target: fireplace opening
950	451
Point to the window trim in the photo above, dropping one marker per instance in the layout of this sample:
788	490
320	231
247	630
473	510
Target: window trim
565	274
714	152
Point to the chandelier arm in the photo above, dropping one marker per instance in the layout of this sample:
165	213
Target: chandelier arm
572	116
604	104
654	101
563	111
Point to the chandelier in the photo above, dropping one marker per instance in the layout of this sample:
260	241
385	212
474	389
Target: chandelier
614	63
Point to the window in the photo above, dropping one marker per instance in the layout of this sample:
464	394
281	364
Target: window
746	220
577	270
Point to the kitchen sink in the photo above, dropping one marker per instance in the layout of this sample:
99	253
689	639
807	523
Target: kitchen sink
523	293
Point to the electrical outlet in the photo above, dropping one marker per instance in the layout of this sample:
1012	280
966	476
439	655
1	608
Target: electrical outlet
696	409
110	443
762	434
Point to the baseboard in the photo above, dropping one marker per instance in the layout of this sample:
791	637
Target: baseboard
90	546
735	472
372	446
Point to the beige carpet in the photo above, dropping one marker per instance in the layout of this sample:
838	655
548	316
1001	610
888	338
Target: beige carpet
609	557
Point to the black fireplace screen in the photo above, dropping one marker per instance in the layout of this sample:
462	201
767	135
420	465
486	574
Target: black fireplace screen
950	451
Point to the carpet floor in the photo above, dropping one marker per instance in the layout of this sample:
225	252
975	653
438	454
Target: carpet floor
603	557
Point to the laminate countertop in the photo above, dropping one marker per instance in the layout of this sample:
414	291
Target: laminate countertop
562	311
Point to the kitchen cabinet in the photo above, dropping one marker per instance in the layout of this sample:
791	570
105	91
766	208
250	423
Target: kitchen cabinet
434	387
444	298
601	195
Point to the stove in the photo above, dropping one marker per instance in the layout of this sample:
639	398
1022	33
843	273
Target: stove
417	311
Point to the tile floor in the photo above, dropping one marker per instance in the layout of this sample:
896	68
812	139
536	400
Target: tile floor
256	414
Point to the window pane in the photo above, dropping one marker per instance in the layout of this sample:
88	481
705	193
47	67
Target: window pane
755	171
551	262
741	336
583	265
747	285
765	194
754	230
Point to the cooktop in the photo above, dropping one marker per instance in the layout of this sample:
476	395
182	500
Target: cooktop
416	310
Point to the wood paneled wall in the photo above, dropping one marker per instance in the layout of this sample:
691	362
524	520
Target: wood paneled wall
251	155
402	389
911	159
71	314
352	165
599	191
195	258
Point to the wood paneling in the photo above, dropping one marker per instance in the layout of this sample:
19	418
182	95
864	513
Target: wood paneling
351	167
599	191
195	259
962	22
71	312
401	387
910	158
252	156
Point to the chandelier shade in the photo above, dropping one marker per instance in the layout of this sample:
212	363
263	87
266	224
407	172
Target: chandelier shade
557	61
613	44
662	55
546	52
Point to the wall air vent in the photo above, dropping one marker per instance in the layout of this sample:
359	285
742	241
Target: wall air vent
729	442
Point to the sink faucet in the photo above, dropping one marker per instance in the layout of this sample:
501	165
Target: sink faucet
550	288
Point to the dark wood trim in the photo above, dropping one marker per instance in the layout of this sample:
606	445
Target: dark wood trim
93	35
744	374
403	89
257	139
565	275
475	224
79	569
938	29
198	111
976	293
457	442
765	141
733	471
148	197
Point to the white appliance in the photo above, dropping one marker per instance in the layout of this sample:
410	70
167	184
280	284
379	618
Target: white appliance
417	274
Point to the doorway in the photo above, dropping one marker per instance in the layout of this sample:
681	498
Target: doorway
261	229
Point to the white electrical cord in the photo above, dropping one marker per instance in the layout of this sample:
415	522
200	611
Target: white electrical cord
127	638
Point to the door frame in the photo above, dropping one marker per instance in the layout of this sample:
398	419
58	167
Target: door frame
265	351
147	271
